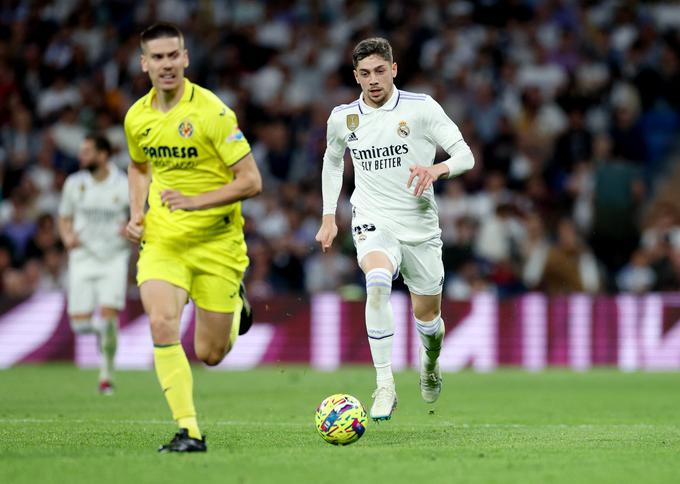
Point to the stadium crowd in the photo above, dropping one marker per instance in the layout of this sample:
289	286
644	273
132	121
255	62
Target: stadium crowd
572	110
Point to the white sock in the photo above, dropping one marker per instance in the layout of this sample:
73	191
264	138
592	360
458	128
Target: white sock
82	326
431	336
108	342
380	323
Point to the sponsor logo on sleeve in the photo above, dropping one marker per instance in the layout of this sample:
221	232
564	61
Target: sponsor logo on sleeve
236	135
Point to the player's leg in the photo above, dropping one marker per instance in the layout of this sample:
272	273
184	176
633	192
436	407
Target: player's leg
378	270
218	319
430	326
379	257
108	343
423	273
80	299
215	334
111	290
163	303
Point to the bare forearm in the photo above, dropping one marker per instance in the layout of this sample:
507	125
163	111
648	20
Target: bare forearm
138	183
239	189
65	227
328	218
440	170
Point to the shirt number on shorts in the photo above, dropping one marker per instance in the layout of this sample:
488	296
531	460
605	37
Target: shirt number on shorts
360	229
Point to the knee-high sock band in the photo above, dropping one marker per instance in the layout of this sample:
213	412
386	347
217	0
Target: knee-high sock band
380	323
431	336
174	375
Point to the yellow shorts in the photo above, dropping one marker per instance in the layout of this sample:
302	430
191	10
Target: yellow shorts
210	270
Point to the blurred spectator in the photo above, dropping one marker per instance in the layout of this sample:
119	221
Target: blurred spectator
618	194
20	227
328	272
637	275
571	109
567	266
58	96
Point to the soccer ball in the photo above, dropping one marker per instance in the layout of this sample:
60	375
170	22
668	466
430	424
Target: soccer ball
341	419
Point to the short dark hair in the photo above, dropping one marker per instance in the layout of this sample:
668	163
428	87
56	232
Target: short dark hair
368	47
101	143
161	30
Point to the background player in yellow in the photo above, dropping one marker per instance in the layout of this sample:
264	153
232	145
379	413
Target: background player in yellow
193	164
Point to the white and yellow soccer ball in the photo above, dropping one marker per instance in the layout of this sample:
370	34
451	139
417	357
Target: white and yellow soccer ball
341	419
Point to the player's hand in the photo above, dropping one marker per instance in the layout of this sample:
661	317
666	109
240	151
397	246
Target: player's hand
175	200
135	229
426	177
327	234
71	241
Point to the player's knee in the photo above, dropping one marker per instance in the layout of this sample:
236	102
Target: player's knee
378	286
108	313
164	325
426	313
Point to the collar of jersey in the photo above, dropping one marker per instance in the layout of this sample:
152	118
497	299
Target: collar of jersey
186	95
388	106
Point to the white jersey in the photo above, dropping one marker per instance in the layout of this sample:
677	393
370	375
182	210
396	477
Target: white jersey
383	144
99	210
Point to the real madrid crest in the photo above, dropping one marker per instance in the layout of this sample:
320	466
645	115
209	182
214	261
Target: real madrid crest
352	121
185	129
403	130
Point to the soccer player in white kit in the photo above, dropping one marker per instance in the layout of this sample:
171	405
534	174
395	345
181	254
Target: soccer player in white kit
92	215
392	137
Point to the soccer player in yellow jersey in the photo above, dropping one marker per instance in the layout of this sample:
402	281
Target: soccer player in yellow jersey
193	164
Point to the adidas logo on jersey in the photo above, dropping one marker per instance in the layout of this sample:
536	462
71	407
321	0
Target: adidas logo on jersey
352	137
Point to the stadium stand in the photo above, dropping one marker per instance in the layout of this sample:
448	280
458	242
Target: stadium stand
572	111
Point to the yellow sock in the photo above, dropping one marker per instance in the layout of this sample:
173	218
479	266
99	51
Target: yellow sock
174	375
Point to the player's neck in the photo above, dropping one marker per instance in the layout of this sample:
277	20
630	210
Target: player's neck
371	104
101	173
166	100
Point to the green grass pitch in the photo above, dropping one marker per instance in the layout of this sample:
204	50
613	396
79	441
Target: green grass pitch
507	426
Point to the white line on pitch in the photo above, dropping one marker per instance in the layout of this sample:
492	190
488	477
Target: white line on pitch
243	423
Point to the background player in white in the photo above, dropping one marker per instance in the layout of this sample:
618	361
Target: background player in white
92	215
392	137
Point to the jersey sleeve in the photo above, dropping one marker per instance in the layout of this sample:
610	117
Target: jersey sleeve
444	132
333	165
66	203
229	142
136	152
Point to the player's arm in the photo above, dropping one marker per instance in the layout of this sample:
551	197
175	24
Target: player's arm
247	183
66	232
331	185
139	178
444	132
65	220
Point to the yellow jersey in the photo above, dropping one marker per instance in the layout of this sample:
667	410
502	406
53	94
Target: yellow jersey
191	148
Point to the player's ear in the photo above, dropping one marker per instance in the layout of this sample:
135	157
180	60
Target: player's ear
394	69
186	58
356	76
142	61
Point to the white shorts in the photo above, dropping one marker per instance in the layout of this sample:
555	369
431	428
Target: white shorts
420	264
95	283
